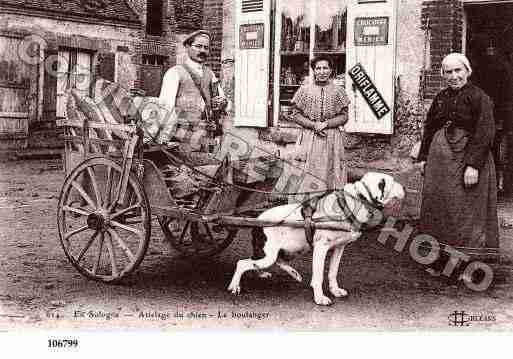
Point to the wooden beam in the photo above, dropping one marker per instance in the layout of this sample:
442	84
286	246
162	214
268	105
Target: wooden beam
14	114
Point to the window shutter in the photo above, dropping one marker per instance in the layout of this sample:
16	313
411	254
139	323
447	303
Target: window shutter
252	63
377	58
62	82
106	66
50	85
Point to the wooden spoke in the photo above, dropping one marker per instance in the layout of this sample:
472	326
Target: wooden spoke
209	233
108	187
121	244
110	248
197	243
87	246
182	235
125	210
117	194
72	233
133	222
75	210
126	228
97	193
83	193
98	258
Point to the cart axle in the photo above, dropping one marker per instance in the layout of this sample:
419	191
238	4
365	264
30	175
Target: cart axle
97	221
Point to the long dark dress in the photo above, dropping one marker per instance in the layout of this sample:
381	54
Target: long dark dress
459	132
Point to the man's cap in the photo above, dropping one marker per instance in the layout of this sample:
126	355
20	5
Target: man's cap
190	38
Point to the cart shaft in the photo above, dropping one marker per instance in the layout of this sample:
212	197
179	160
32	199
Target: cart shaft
238	221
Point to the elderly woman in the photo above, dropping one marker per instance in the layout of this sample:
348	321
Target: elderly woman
320	108
459	195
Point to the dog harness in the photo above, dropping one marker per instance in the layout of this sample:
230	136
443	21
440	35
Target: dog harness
309	207
371	206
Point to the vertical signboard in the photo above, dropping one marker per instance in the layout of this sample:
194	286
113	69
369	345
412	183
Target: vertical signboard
252	62
371	50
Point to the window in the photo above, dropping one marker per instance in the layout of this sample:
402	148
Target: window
305	29
155	60
74	71
154	17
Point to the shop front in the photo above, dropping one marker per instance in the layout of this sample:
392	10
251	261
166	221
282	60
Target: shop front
278	39
387	56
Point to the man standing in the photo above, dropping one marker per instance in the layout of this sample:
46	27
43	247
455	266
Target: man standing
194	93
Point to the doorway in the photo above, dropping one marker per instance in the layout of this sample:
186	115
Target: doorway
489	46
488	24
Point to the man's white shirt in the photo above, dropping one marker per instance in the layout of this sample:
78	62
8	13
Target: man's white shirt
171	81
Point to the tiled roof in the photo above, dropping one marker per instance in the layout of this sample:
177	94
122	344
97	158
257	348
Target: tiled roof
99	9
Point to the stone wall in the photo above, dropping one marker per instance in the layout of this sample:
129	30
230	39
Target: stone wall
115	58
106	41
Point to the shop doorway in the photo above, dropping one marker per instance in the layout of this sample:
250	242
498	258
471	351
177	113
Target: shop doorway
488	43
488	24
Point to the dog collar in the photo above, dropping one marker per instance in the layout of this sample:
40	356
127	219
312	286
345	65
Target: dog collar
370	206
374	202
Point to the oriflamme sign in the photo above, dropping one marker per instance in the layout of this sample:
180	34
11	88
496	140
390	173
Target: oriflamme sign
369	92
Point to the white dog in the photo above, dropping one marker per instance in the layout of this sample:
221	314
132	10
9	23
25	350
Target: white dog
359	203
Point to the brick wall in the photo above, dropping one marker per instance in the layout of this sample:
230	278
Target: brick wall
164	45
180	18
228	29
444	19
139	7
213	21
189	14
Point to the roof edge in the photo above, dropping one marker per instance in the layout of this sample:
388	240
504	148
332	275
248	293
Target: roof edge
134	24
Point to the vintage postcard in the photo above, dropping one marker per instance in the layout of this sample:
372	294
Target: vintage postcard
320	165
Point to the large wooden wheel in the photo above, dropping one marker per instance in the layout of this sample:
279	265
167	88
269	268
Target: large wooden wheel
104	239
190	238
196	239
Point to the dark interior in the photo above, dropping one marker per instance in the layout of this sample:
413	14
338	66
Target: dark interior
489	25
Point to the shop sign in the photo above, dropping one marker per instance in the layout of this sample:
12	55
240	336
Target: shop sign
369	92
371	31
251	36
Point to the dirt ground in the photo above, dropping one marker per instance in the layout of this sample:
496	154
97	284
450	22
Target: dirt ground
39	288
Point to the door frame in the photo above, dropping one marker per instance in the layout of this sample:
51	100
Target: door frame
467	3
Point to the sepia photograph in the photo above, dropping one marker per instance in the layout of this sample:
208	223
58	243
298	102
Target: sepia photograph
255	165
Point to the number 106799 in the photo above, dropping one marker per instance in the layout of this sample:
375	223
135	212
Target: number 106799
62	343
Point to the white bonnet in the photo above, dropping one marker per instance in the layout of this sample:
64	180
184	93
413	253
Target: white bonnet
459	57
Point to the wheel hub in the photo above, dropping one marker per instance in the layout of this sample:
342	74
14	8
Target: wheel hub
97	221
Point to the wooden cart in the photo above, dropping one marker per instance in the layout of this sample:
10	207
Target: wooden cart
114	185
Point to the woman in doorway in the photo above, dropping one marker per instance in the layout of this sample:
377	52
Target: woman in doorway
320	108
459	195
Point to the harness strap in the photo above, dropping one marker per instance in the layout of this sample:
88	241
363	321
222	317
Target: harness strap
374	202
308	209
307	212
197	81
341	200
